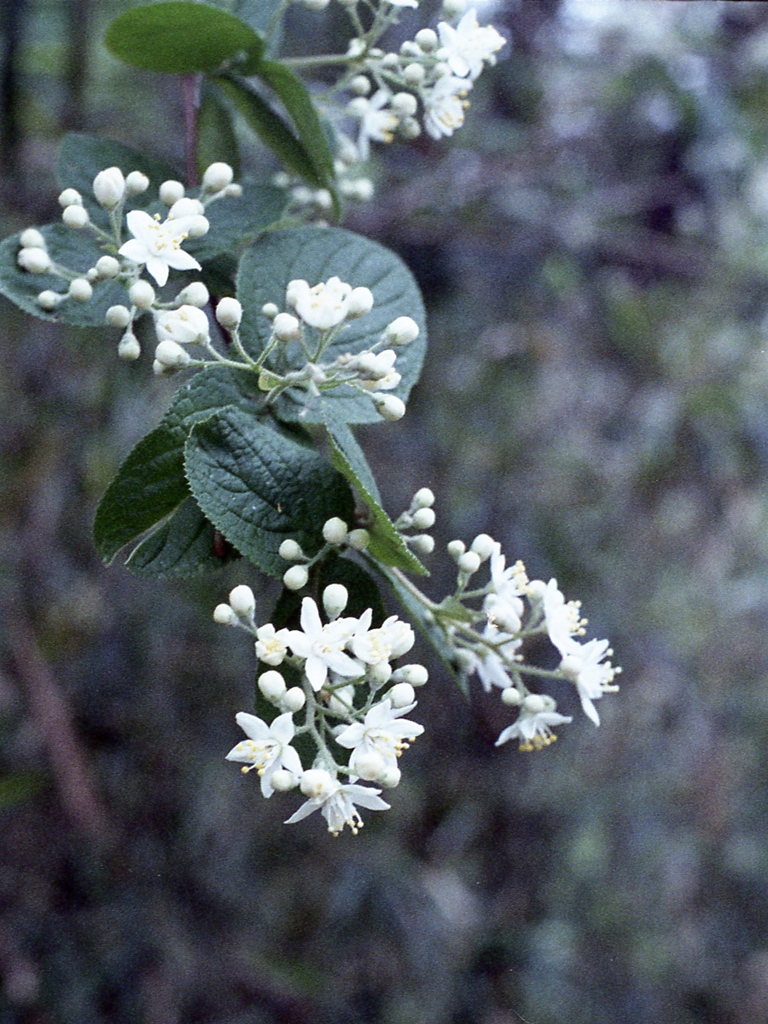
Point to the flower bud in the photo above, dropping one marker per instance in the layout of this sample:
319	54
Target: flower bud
534	703
242	601
229	313
342	700
414	74
171	192
286	327
426	40
416	675
92	275
270	310
34	260
360	85
423	519
198	226
456	549
290	550
571	666
317	783
335	531
109	187
293	699
423	498
409	128
483	545
171	355
422	543
390	777
335	597
80	290
453	8
234	191
282	780
31	238
70	197
536	590
272	685
389	407
296	577
469	562
136	183
401	695
369	766
107	267
49	300
118	316
195	294
186	207
129	348
511	697
402	331
217	176
410	49
142	294
358	540
75	216
359	303
224	615
316	5
358	107
404	104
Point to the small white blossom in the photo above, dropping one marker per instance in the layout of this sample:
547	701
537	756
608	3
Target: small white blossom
271	644
534	725
157	244
186	325
562	618
583	663
323	306
267	748
323	646
384	733
378	122
491	666
336	802
444	105
389	641
469	45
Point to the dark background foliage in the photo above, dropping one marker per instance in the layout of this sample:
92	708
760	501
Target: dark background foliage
592	248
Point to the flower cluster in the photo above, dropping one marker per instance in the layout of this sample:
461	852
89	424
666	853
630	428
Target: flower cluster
353	700
156	245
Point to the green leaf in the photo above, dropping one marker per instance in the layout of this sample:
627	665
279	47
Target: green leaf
216	139
270	128
297	101
151	483
316	254
236	220
73	249
259	486
179	37
185	544
417	613
386	543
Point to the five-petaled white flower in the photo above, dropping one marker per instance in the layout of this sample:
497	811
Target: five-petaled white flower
323	646
534	725
375	646
336	802
444	105
271	644
562	618
378	123
267	748
379	739
469	45
157	244
323	306
583	663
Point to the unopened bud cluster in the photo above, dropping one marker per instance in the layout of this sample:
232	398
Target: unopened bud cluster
352	698
419	517
336	534
155	245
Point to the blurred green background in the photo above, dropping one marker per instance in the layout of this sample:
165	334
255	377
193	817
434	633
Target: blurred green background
593	248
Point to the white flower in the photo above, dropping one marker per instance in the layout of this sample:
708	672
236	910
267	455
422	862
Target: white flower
380	373
444	105
271	644
267	748
491	665
583	663
534	725
322	306
377	122
336	802
562	618
323	646
374	646
158	244
469	45
186	325
378	741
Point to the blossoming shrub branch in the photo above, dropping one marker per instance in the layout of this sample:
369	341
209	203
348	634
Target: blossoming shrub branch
290	331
